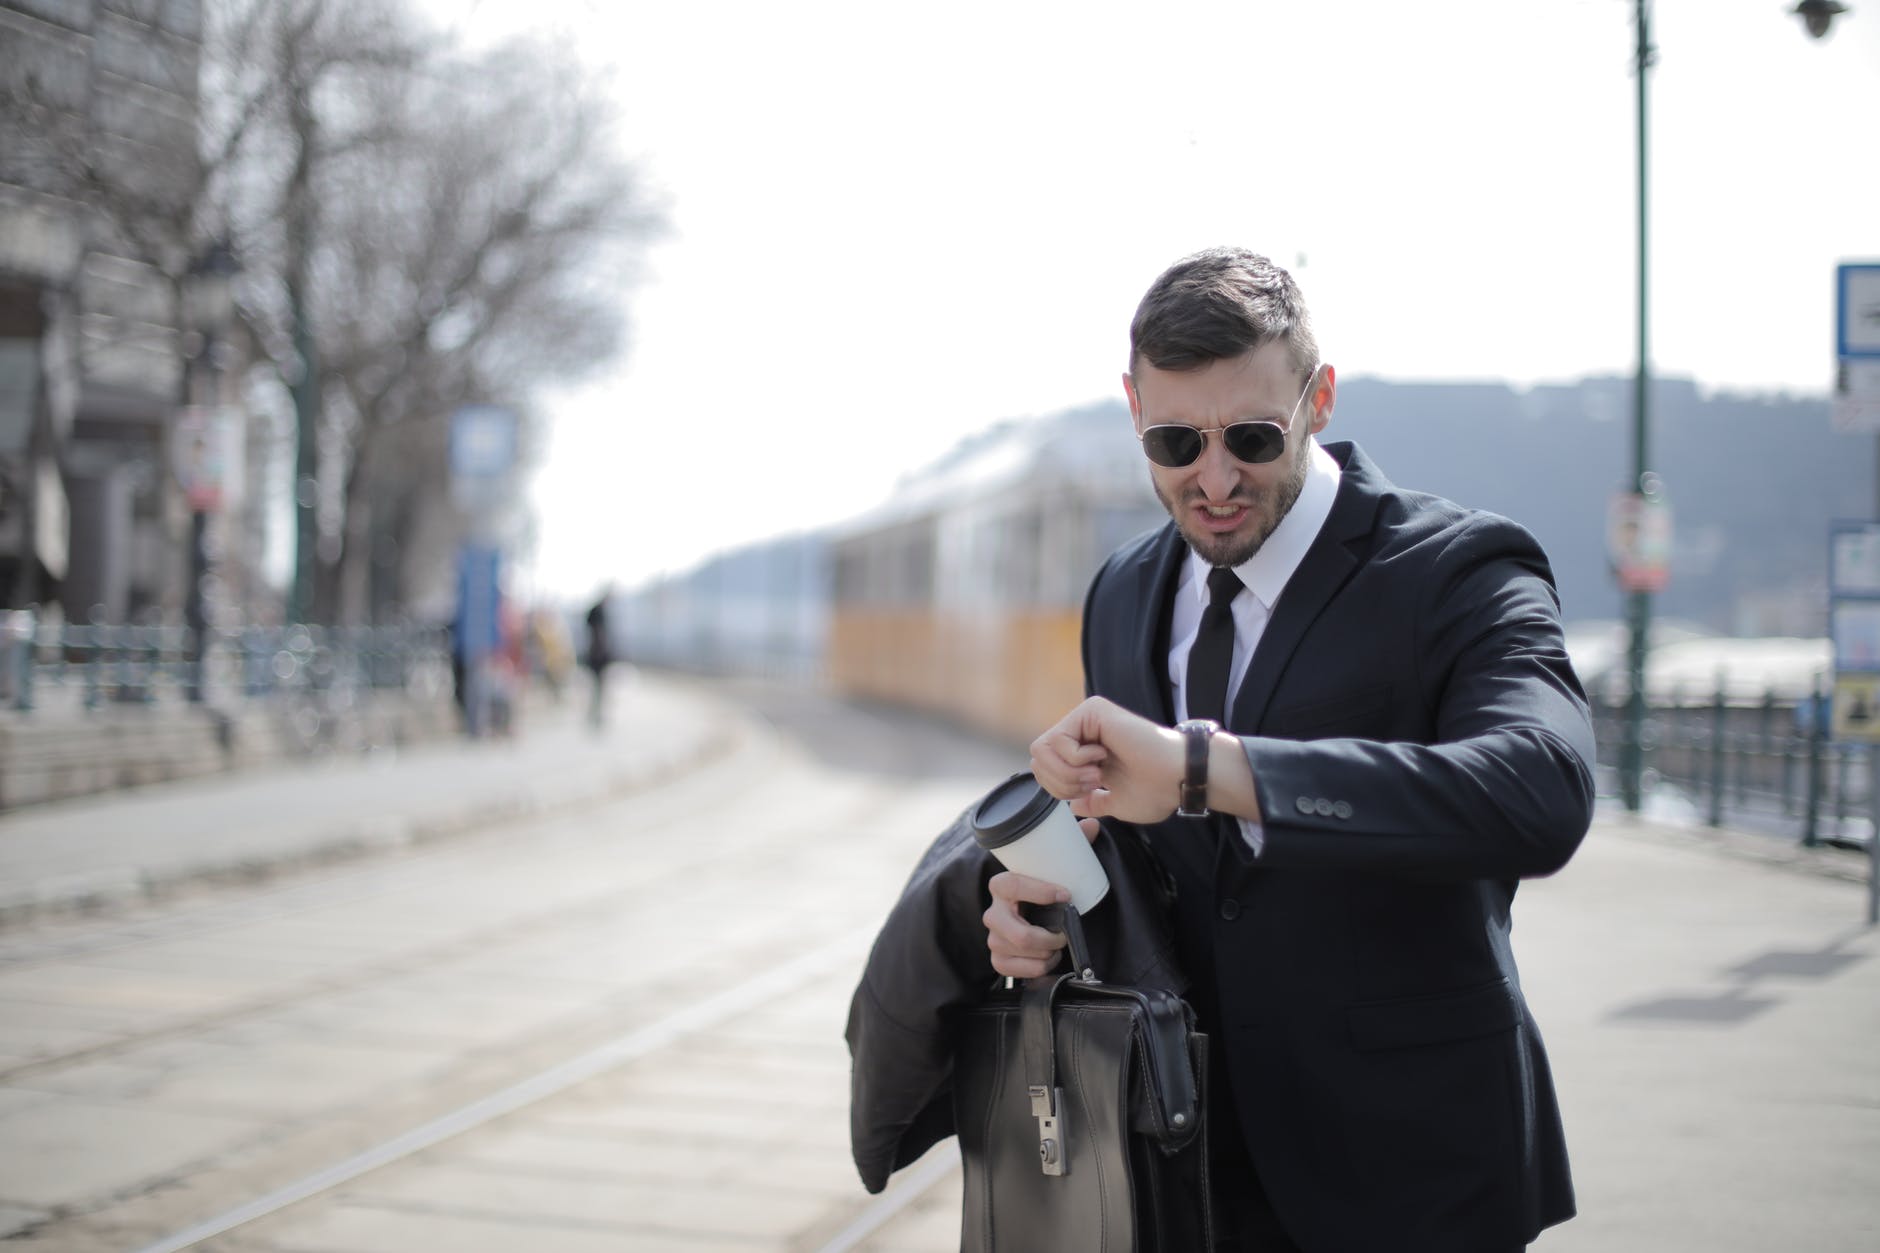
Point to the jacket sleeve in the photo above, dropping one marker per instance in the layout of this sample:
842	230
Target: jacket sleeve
1504	788
929	959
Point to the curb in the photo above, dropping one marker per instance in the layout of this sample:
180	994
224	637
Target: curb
352	840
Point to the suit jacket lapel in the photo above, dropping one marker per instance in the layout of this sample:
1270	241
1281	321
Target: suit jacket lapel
1156	576
1328	563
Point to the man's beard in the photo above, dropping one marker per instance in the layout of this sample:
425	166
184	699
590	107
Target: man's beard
1264	510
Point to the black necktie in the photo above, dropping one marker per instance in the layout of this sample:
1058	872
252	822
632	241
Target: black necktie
1213	653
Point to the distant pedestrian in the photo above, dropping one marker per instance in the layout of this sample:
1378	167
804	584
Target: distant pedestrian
549	651
507	671
598	656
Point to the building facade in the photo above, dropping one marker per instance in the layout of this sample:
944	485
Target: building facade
97	201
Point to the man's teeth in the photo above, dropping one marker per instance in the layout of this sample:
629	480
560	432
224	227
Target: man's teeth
1222	511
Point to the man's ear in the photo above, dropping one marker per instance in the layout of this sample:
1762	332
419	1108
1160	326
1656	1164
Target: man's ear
1135	401
1324	394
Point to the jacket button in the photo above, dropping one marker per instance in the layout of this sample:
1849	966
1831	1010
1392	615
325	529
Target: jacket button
1304	804
1341	809
1324	806
1230	909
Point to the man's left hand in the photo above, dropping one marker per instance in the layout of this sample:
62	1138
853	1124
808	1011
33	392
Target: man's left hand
1110	763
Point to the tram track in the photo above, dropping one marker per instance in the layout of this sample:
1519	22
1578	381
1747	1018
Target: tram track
654	813
315	1156
732	834
777	981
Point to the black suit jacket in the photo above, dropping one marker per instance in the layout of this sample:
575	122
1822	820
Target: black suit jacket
1419	743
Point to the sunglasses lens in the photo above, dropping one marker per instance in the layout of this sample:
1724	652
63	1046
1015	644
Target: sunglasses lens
1254	442
1172	446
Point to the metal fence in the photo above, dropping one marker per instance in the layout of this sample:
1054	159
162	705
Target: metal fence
97	665
1764	765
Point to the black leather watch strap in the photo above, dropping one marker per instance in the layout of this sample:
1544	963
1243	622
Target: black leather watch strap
1196	734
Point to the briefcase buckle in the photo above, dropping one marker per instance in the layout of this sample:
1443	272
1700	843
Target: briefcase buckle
1047	1106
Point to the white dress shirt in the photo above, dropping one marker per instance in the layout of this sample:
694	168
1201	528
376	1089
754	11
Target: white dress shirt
1263	577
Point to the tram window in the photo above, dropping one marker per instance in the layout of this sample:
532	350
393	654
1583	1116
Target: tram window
1018	562
917	571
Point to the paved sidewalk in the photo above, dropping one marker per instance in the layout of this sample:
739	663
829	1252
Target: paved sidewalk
1711	1006
144	841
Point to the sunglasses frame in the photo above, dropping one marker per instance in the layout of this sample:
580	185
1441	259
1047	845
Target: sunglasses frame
1142	436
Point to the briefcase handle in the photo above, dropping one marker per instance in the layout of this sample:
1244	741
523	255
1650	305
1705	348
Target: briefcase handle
1065	920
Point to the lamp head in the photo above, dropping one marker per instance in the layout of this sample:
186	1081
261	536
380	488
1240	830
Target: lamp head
1818	15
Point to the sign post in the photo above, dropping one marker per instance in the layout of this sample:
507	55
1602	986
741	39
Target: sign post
482	479
1854	561
1854	623
1856	404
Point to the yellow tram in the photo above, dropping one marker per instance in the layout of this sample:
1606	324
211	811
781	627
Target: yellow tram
962	595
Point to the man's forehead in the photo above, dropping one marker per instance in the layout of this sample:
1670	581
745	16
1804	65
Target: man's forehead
1256	377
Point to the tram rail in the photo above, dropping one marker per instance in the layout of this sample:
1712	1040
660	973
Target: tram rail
699	861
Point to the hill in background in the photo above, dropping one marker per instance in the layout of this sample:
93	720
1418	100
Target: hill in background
1753	482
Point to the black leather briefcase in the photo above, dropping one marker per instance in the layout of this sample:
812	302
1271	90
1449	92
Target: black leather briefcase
1080	1109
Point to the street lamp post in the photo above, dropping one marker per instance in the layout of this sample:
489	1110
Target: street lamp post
1817	16
210	303
1639	601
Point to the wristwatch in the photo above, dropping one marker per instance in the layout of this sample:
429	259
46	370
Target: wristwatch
1195	733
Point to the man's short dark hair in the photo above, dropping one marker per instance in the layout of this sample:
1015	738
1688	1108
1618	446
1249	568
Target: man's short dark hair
1218	304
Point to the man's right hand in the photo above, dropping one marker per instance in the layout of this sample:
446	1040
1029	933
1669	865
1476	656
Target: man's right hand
1019	949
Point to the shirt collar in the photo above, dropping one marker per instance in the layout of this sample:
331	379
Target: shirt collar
1266	572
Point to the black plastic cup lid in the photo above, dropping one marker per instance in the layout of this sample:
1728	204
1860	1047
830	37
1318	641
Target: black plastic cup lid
1009	810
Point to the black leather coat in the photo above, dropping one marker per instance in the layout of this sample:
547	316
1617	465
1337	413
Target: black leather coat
930	960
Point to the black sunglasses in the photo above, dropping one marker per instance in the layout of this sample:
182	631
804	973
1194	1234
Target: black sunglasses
1256	443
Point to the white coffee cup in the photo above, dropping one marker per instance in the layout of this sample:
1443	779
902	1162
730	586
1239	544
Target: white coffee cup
1033	832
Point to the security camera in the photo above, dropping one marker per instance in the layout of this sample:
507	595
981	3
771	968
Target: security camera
1818	15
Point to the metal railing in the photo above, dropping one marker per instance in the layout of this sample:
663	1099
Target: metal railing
97	665
1760	764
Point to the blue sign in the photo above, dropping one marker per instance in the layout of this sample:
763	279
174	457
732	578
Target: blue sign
476	630
1854	629
1857	311
1854	560
482	442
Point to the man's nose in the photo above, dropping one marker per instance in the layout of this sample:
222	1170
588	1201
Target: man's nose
1219	471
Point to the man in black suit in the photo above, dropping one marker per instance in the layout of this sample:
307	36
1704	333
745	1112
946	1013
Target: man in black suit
1342	716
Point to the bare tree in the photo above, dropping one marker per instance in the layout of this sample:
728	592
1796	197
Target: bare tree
484	253
418	230
282	82
435	230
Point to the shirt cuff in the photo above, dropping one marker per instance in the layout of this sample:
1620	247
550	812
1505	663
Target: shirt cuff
1254	833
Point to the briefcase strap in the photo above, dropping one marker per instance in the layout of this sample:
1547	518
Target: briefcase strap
1064	918
1039	1042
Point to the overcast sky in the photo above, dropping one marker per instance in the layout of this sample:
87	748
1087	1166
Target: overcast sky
895	224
